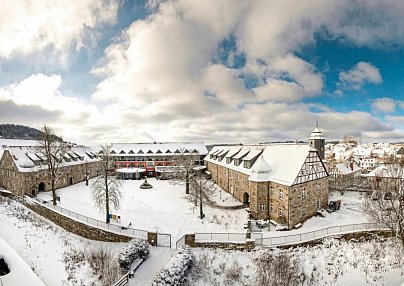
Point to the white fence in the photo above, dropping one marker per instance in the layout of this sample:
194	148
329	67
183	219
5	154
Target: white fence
220	237
311	235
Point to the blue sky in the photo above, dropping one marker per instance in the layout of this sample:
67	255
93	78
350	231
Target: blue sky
228	71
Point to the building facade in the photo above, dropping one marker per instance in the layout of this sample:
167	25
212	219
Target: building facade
345	175
23	170
285	183
151	156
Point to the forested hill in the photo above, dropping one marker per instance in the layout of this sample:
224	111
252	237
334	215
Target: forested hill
13	131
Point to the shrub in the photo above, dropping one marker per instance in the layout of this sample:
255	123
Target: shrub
104	263
176	270
137	248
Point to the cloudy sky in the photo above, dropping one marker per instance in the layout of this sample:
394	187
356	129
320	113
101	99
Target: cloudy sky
214	71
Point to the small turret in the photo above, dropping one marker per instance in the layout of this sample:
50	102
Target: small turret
317	141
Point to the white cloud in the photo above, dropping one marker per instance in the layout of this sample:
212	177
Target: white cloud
33	26
359	75
161	80
385	104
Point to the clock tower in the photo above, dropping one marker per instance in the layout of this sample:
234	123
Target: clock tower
317	141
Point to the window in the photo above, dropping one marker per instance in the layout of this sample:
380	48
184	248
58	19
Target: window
280	213
262	207
228	160
303	211
247	164
236	162
281	194
303	193
272	209
271	191
318	204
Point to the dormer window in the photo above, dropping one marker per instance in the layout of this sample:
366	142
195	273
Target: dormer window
247	164
236	162
228	160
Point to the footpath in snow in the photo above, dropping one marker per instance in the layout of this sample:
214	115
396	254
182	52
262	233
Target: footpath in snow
157	259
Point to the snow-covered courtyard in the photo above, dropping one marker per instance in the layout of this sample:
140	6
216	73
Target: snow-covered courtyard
163	208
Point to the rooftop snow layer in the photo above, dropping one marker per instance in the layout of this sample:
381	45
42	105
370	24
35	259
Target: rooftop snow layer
146	149
278	163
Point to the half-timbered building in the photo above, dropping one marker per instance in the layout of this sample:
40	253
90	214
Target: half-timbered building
285	183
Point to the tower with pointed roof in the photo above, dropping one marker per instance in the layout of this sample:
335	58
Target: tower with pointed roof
317	141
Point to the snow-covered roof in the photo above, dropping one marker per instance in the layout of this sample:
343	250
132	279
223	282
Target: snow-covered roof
130	170
232	152
20	272
346	169
387	171
243	152
252	154
316	134
5	143
280	163
159	149
28	159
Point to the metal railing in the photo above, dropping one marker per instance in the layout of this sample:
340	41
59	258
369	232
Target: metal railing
283	240
132	232
181	242
125	279
315	234
220	237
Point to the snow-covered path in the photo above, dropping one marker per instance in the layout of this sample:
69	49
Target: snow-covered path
145	273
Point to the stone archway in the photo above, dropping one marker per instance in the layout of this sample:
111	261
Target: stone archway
246	198
41	187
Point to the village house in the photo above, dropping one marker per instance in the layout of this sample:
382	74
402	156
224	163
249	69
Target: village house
285	183
23	169
151	159
345	175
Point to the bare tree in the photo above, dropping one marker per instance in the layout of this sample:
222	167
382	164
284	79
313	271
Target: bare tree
105	188
278	269
201	190
183	168
52	151
385	205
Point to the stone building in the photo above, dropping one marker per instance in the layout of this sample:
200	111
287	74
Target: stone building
154	157
23	170
285	183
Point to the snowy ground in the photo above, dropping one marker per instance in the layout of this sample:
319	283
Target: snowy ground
334	262
349	213
48	249
162	208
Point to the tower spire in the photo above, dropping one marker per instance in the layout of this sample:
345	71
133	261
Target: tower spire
317	123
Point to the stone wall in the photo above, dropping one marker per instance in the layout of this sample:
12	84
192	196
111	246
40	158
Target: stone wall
82	229
249	244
